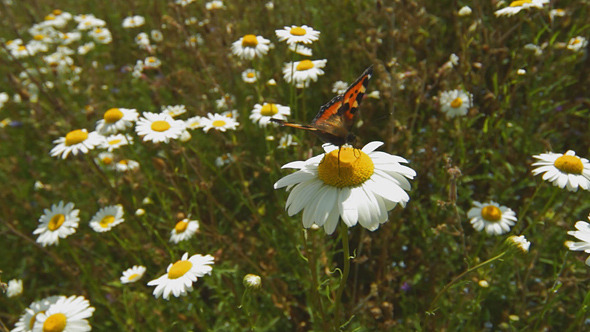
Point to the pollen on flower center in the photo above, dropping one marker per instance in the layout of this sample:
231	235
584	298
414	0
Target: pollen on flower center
519	3
55	323
56	221
491	213
160	125
115	141
304	65
107	160
113	115
179	269
133	276
181	226
106	221
352	169
297	31
457	102
218	123
249	41
569	164
38	37
269	110
250	75
76	136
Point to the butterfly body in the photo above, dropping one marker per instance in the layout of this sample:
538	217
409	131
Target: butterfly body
333	122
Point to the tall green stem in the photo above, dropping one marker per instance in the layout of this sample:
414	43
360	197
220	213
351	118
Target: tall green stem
346	271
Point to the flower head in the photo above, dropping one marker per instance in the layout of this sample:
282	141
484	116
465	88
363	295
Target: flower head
76	141
15	288
252	281
564	170
298	34
582	234
66	314
358	186
577	44
516	6
303	72
133	274
184	230
27	320
115	120
519	242
116	141
262	114
106	218
159	127
250	76
250	47
194	122
492	217
219	122
180	276
60	221
455	102
174	110
133	21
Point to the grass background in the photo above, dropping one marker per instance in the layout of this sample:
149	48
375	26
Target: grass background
399	269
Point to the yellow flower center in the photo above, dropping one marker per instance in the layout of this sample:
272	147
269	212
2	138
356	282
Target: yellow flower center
250	75
76	136
491	213
576	41
97	30
38	37
179	269
124	162
269	110
56	11
160	125
22	48
151	59
181	226
519	3
33	319
113	115
345	167
297	31
218	123
49	17
56	221
115	141
106	221
569	164
55	323
133	277
249	41
304	65
457	102
107	160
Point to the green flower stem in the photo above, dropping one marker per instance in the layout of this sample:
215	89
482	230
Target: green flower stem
457	278
346	253
315	292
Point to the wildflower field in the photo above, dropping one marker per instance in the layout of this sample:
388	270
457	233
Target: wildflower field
189	165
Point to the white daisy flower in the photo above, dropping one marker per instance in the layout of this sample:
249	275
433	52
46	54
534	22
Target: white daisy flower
577	43
455	102
261	114
87	47
67	314
300	49
492	217
180	276
582	234
214	5
89	21
159	127
142	40
250	47
194	40
558	12
184	230
151	62
15	288
564	170
464	11
116	141
106	218
76	141
224	159
358	186
339	87
302	72
286	141
157	35
519	242
126	165
194	122
133	274
27	320
252	281
298	34
219	122
133	21
115	120
517	6
106	159
250	75
174	111
101	35
58	222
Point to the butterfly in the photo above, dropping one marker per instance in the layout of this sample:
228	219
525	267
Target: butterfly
333	122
